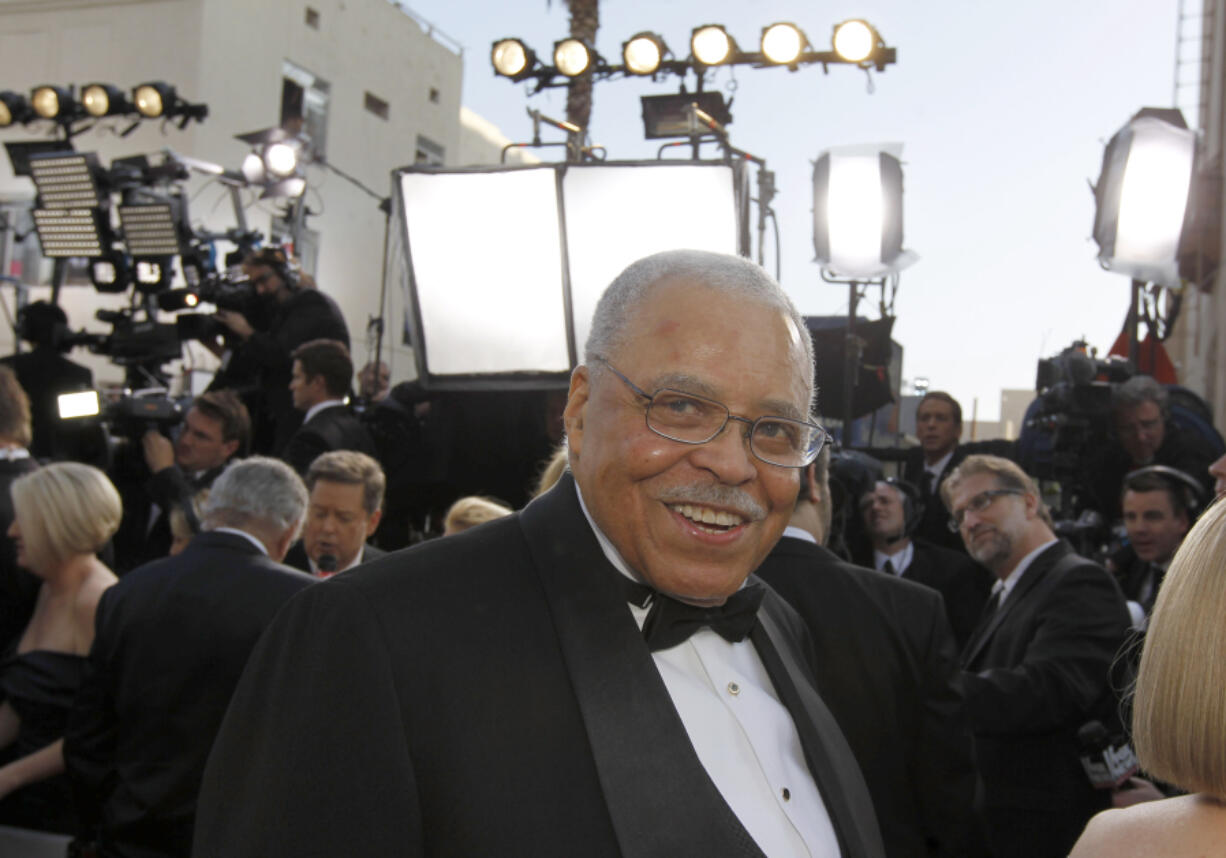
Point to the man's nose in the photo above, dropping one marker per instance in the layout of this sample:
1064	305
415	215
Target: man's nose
727	455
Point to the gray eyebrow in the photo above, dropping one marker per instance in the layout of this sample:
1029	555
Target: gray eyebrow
693	384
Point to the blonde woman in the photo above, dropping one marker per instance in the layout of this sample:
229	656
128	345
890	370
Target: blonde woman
65	513
1179	715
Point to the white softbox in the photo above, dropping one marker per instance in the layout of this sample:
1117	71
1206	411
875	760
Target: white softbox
503	266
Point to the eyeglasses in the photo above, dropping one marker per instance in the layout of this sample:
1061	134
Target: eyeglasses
978	504
689	419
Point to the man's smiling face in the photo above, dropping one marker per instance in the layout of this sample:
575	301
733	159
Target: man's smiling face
693	520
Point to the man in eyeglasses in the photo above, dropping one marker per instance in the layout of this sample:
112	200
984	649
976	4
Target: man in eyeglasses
596	675
1038	666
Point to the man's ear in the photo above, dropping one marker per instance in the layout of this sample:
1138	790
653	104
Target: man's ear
808	484
576	408
1032	504
230	448
373	522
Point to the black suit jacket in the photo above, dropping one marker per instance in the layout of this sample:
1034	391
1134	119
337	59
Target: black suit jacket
45	373
962	583
488	694
138	541
297	556
334	428
172	639
888	669
1035	671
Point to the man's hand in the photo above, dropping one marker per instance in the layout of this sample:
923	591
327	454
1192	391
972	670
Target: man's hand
236	322
1135	791
159	452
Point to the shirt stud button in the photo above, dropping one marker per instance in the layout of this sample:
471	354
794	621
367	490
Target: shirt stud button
787	795
734	689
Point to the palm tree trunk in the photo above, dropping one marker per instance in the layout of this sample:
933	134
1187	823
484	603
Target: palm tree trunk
584	21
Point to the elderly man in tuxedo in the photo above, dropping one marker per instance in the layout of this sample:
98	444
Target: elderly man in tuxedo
593	675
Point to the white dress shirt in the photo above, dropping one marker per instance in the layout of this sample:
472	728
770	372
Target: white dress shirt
900	560
1006	586
743	735
320	406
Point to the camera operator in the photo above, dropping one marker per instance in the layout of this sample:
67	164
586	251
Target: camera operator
1145	434
45	373
215	430
298	313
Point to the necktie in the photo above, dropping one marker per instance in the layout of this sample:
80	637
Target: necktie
889	569
926	485
670	622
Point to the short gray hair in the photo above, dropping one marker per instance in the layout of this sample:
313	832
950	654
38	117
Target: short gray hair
1137	391
258	490
721	272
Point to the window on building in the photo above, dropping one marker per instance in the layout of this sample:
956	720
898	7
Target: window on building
376	105
304	105
428	152
312	18
434	95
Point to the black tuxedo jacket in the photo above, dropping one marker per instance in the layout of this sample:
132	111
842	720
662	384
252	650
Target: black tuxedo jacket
171	641
888	669
334	428
488	694
962	583
297	556
1035	671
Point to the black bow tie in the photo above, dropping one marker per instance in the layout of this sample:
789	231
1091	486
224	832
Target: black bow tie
670	622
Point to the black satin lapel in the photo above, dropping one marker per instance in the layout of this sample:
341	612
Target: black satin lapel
830	758
661	800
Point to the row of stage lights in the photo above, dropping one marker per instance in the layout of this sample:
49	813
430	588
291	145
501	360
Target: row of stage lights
854	42
154	100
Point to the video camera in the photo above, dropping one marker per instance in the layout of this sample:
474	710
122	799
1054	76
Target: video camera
1065	428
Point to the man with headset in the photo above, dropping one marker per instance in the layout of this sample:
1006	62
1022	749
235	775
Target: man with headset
891	511
298	312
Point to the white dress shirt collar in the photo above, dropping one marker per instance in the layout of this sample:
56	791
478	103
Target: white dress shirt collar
320	406
900	559
1006	585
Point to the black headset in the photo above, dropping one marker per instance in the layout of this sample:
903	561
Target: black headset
912	504
1185	486
281	263
42	323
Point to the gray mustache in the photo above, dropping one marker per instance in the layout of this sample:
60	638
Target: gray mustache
714	494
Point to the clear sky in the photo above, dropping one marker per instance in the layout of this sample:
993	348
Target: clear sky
1002	108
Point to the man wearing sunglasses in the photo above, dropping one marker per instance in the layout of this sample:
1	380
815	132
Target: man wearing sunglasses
1038	665
597	675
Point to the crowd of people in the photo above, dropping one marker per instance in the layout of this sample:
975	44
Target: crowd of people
656	656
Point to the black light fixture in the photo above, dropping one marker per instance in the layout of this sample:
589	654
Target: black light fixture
52	102
110	272
855	41
783	43
173	300
104	99
671	115
573	56
643	52
149	229
157	100
14	109
512	58
710	45
152	274
275	162
66	180
69	233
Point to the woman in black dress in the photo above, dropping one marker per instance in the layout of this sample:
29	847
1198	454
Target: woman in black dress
65	513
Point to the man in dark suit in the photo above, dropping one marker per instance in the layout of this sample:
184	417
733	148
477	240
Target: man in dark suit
1038	666
346	503
938	424
215	430
18	587
528	687
887	667
172	639
319	383
890	513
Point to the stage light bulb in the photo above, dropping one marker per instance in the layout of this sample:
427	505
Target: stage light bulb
642	54
149	101
854	41
280	159
711	45
572	57
782	43
191	299
96	100
253	168
46	102
509	57
6	115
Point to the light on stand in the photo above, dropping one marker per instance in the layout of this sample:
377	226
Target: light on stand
857	212
51	102
854	40
1142	197
511	58
13	109
281	159
711	45
153	99
103	99
643	53
572	57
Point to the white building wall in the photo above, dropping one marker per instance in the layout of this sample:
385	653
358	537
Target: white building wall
229	54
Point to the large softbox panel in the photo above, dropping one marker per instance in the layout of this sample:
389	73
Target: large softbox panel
503	267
